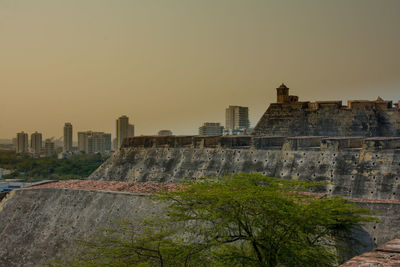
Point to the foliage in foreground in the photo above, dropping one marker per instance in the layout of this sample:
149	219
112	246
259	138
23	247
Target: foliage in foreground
239	220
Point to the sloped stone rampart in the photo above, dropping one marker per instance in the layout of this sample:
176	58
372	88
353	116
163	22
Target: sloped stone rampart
39	224
357	168
42	223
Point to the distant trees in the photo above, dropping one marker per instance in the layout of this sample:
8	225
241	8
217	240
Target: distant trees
78	166
238	220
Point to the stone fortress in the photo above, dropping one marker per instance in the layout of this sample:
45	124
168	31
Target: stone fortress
356	148
290	117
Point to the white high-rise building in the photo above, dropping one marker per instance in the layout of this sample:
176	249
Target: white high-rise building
36	143
22	143
123	130
236	120
67	137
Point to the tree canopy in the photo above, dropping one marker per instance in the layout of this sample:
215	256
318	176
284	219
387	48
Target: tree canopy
237	220
24	166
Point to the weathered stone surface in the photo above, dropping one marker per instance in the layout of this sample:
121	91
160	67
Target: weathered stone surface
370	171
289	117
39	224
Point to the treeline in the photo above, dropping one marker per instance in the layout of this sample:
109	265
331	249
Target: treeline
75	167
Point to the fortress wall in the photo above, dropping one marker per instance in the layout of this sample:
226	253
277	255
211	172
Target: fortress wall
39	224
359	118
370	172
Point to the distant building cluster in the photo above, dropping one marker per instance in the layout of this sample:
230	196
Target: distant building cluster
94	142
88	141
236	123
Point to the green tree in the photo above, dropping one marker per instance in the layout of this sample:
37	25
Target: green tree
238	220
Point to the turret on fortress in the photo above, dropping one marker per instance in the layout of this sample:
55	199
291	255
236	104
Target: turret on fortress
291	117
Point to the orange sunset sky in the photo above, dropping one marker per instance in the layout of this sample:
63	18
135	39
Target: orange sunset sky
172	64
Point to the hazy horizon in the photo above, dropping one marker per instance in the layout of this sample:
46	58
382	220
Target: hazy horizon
176	64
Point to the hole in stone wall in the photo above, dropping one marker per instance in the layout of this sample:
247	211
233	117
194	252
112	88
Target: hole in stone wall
281	173
332	175
301	161
394	193
356	155
374	227
373	163
255	160
330	190
266	160
287	154
298	174
372	192
352	176
322	154
333	163
263	173
284	160
374	238
334	155
319	162
349	191
397	178
237	159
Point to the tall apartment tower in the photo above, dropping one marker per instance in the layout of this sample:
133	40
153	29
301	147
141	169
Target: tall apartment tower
36	143
22	143
123	130
67	137
236	120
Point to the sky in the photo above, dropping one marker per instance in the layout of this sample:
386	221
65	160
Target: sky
174	64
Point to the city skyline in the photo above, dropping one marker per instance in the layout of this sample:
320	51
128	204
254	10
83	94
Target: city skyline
173	65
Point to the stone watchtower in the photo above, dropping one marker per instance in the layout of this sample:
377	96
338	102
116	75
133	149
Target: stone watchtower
282	94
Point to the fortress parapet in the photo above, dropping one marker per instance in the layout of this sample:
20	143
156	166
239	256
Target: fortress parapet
340	143
294	143
380	143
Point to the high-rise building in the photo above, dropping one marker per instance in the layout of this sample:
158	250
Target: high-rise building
236	120
49	148
123	130
164	133
36	143
67	137
93	142
82	140
211	128
22	143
